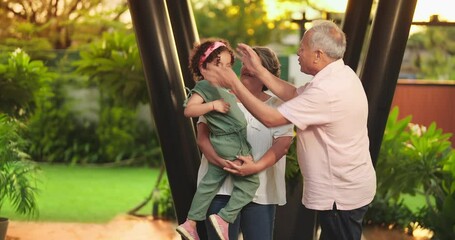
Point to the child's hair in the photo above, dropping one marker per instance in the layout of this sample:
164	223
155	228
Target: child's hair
205	52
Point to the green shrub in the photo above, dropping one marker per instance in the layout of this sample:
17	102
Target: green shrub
56	134
161	200
390	214
122	136
18	175
416	160
59	134
21	80
98	129
114	64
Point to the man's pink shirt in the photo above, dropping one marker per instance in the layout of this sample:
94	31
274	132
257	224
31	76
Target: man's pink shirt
331	113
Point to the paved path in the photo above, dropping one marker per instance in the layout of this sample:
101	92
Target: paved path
135	228
121	228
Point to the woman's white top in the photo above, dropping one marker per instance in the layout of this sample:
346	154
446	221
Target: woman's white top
272	188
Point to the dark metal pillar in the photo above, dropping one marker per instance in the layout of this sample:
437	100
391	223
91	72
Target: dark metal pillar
294	221
355	24
185	34
165	84
382	65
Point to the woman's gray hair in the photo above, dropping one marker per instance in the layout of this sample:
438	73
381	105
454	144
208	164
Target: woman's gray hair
269	60
328	37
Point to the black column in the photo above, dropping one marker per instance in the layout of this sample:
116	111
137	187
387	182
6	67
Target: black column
355	24
294	221
382	65
165	84
185	34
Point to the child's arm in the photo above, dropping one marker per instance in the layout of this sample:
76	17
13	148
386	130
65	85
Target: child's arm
196	106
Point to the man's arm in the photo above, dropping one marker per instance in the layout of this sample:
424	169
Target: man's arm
226	77
266	114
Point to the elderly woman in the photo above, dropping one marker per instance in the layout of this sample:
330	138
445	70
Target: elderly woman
269	148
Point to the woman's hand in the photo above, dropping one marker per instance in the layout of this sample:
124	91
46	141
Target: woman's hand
248	166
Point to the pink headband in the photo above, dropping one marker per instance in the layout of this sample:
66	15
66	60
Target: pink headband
209	51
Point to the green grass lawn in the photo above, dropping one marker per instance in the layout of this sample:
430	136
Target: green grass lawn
88	194
414	203
97	194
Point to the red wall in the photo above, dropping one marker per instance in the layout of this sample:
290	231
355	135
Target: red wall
427	101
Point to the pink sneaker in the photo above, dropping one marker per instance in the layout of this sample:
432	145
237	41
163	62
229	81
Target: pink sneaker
221	226
187	231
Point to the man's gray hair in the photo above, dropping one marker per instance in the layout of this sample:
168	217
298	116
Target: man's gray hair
328	37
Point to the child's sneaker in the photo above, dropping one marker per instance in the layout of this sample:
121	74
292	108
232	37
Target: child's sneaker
187	231
221	226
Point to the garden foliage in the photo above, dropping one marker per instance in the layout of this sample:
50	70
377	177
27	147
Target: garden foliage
18	175
20	82
418	161
60	128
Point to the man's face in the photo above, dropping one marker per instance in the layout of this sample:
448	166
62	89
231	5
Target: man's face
306	55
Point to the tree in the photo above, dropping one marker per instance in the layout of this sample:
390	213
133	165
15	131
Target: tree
63	22
435	52
239	21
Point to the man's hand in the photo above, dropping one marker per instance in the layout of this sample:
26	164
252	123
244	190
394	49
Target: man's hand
249	58
220	76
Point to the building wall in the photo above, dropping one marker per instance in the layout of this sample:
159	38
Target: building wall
427	102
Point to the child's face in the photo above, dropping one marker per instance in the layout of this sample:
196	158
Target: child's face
225	62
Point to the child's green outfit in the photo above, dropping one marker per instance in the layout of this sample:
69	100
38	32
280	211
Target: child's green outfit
228	137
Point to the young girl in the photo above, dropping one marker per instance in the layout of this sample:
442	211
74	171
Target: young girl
227	126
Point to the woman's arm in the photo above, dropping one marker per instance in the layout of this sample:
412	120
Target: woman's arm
278	149
206	147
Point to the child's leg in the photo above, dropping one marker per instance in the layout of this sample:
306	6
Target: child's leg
206	191
242	194
188	230
217	204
